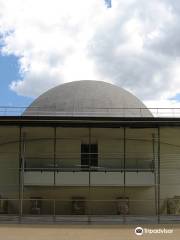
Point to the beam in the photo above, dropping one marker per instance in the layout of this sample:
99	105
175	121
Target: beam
158	204
20	162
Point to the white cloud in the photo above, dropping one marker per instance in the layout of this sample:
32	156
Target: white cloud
166	108
135	44
50	39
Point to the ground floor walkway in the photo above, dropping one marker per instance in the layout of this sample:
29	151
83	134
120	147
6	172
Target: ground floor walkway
83	232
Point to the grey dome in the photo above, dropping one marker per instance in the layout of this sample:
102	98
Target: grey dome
87	98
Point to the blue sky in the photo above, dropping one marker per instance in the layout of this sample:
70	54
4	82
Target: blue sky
9	71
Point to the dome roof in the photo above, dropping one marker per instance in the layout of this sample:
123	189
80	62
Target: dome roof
88	98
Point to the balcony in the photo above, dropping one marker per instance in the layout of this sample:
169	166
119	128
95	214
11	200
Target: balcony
77	177
71	178
39	178
139	178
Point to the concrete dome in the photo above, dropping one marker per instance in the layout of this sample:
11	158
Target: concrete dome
87	98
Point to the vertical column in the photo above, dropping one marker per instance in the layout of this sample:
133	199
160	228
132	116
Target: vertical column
54	154
89	169
158	201
55	166
154	169
155	144
124	157
20	165
124	166
22	155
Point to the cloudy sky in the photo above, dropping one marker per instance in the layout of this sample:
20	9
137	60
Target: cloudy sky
135	44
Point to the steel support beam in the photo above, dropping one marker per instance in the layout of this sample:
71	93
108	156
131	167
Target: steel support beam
89	168
22	157
124	166
20	164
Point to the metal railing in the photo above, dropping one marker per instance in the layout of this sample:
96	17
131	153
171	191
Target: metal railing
75	205
114	112
73	210
87	169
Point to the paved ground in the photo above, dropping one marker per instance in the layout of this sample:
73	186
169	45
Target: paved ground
82	232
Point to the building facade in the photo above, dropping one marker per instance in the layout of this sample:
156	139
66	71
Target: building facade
89	151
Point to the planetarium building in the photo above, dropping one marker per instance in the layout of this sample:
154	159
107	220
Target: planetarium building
89	151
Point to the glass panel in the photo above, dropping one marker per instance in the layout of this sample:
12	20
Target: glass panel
89	156
9	162
38	148
110	148
85	157
68	148
71	201
169	174
141	201
141	149
37	206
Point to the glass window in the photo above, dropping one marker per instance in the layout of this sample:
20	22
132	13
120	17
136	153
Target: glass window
89	155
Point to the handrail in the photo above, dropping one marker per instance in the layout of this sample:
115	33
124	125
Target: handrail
45	111
91	169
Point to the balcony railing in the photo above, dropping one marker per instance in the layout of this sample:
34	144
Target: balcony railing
105	177
62	164
76	205
136	112
40	209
